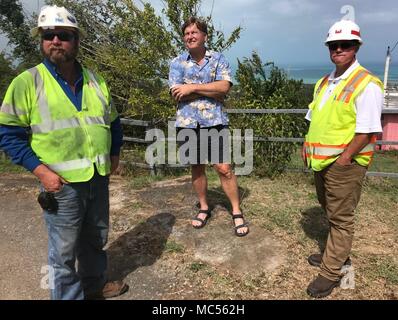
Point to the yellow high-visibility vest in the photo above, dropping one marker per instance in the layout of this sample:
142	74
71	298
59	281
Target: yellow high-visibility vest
333	127
68	141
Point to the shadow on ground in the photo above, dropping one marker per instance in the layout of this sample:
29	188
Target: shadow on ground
141	246
217	197
315	225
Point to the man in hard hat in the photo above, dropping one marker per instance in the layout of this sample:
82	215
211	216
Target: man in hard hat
345	118
72	147
199	80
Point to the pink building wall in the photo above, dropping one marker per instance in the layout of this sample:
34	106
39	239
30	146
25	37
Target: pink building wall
390	130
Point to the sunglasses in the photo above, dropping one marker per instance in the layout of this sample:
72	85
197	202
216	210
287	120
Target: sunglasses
343	45
63	36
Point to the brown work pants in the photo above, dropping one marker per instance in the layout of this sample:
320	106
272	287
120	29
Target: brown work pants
338	189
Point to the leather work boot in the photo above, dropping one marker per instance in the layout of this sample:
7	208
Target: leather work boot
110	290
321	287
316	258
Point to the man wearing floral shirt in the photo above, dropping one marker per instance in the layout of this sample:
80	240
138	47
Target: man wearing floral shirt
199	81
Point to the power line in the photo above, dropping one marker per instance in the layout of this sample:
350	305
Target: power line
394	47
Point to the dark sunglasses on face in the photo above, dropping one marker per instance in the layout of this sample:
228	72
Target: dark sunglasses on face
62	36
343	45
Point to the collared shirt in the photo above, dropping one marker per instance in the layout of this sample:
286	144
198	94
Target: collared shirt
368	104
204	111
15	140
74	97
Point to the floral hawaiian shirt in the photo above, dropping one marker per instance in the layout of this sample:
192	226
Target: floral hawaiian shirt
204	111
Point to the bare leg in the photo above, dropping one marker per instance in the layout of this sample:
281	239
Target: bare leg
229	184
199	182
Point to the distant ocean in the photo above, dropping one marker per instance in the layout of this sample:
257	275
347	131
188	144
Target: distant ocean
311	74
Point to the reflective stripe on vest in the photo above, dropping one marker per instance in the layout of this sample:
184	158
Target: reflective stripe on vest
41	95
65	124
318	151
55	125
97	88
100	94
78	164
350	87
322	84
96	120
12	110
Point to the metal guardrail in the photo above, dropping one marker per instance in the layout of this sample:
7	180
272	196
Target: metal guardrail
390	111
265	111
289	111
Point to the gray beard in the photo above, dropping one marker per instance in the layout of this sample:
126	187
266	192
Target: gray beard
61	56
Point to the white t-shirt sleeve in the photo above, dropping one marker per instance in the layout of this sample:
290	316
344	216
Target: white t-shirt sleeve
368	106
308	115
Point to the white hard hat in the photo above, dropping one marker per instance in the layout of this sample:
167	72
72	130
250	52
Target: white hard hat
344	30
53	16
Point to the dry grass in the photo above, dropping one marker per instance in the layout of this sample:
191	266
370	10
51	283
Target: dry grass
287	207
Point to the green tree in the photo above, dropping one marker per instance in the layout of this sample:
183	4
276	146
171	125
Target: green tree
7	72
265	86
16	26
177	12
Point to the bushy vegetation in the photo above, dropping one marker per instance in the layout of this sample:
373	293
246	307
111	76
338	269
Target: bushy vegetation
7	72
265	86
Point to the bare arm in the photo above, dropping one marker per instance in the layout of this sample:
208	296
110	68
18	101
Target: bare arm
216	90
114	163
304	154
357	144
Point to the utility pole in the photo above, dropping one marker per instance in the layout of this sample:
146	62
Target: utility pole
386	69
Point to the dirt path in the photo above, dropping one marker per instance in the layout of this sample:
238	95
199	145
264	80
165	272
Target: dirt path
23	239
151	244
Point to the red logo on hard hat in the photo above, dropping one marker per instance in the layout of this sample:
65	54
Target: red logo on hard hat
356	33
338	31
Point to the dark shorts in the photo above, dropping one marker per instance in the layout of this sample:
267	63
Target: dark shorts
204	145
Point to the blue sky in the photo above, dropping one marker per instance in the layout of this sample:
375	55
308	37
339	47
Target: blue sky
291	32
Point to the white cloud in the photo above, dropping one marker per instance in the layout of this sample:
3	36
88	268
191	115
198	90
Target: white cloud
380	17
293	7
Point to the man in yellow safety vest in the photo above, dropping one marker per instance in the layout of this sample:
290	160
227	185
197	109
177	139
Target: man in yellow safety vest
345	118
57	120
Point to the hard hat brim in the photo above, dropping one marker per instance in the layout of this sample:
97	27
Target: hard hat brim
359	41
34	32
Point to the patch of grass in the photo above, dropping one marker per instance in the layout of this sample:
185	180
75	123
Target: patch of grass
174	247
283	219
222	280
384	268
142	181
197	266
212	176
136	206
254	283
312	196
384	161
6	166
383	186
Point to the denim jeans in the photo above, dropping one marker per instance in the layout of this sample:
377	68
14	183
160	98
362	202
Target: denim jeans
78	231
